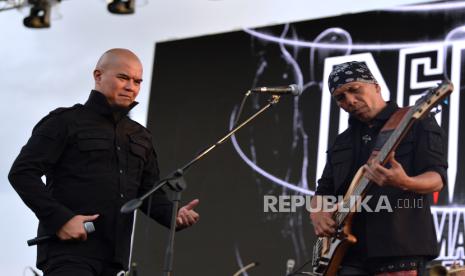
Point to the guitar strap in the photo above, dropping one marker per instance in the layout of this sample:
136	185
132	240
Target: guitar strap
387	129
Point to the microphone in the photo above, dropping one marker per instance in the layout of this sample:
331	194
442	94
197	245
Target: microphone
290	266
292	89
88	226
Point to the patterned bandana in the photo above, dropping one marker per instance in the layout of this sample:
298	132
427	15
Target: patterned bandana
348	72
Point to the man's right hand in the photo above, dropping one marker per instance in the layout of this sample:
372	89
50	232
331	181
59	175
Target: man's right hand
323	223
74	228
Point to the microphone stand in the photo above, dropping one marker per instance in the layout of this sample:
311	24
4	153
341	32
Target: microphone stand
177	184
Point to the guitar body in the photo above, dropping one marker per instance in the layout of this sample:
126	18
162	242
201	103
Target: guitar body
328	252
328	258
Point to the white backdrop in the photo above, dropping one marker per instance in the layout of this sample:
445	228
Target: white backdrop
44	69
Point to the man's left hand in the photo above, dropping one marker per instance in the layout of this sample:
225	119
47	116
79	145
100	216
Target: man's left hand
394	176
187	216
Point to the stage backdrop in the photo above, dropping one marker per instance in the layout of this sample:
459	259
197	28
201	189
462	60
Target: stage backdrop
198	84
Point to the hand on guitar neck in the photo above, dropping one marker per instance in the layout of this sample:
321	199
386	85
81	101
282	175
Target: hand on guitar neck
395	176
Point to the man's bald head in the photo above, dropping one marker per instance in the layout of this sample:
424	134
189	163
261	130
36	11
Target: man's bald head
116	55
118	75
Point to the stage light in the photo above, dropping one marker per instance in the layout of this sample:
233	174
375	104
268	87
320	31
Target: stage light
39	16
121	6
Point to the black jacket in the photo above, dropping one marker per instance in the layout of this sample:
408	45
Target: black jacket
405	231
95	159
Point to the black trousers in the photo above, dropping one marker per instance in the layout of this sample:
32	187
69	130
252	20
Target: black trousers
80	266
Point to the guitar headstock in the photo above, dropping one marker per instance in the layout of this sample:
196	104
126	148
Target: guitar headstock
432	97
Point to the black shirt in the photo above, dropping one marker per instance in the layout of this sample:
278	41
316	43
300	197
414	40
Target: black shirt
405	231
95	158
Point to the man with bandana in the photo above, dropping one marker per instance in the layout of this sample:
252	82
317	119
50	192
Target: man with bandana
388	243
95	159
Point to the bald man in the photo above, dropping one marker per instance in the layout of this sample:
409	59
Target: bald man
95	159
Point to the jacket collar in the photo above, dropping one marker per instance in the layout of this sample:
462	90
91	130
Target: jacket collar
98	103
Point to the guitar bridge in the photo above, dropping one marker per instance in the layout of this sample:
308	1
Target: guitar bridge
340	234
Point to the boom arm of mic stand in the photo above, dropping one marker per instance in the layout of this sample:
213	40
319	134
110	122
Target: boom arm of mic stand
177	184
137	202
274	100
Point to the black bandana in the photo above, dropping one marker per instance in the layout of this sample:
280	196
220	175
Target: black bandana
348	72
